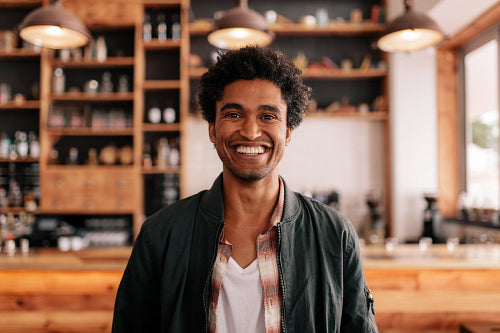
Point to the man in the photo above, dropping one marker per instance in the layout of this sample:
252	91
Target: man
248	255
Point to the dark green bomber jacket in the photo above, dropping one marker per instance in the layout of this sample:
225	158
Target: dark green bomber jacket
166	284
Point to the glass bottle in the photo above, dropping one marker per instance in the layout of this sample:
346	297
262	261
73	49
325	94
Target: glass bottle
101	49
22	144
176	27
163	152
4	145
161	28
106	84
15	194
123	84
58	81
147	29
173	155
34	145
73	156
431	216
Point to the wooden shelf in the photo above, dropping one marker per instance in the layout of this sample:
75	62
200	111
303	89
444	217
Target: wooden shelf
26	105
295	29
168	44
19	160
16	210
161	84
489	225
378	115
90	131
320	74
161	3
158	171
109	63
20	3
17	54
339	74
341	29
83	167
97	97
196	73
161	127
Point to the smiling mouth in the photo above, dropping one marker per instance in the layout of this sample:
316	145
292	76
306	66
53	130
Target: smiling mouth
246	150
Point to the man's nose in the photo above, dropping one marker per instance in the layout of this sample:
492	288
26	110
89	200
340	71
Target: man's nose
250	129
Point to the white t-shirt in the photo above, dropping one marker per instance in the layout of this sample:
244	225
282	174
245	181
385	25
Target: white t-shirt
240	307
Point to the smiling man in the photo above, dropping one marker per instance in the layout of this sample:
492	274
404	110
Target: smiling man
248	255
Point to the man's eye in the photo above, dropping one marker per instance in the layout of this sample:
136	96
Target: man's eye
232	115
268	117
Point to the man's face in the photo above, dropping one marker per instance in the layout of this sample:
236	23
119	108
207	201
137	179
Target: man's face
250	130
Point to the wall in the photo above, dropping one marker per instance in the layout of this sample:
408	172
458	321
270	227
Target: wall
414	113
325	154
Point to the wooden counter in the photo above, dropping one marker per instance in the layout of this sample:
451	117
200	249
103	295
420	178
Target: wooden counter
435	290
53	291
415	291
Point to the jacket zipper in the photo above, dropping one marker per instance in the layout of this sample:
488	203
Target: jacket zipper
214	257
282	284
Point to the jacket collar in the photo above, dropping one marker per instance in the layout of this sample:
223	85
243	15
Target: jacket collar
212	202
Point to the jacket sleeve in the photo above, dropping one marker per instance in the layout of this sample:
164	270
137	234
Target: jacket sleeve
358	306
137	304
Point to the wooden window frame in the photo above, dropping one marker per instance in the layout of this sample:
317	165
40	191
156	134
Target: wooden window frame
448	107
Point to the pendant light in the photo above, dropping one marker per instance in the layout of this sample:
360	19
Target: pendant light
410	32
239	27
54	27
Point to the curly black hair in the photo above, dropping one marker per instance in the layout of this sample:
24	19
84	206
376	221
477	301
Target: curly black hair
251	63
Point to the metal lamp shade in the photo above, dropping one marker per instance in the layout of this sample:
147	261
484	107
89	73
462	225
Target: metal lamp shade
240	27
54	27
410	32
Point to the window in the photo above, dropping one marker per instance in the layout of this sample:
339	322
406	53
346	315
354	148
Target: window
480	170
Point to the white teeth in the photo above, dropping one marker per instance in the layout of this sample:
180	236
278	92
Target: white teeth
250	150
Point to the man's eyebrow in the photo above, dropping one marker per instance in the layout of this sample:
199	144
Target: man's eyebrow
271	108
264	107
231	106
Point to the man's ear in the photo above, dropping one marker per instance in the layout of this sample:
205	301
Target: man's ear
211	132
288	136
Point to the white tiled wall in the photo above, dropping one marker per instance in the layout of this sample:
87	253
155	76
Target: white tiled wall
325	154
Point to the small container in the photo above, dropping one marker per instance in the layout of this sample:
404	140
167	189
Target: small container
322	17
154	115
424	243
58	81
24	245
169	115
64	243
10	247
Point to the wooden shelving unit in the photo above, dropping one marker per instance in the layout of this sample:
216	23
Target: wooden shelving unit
161	127
157	71
25	105
203	27
90	132
111	62
19	160
157	170
319	74
168	44
161	84
93	97
18	54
